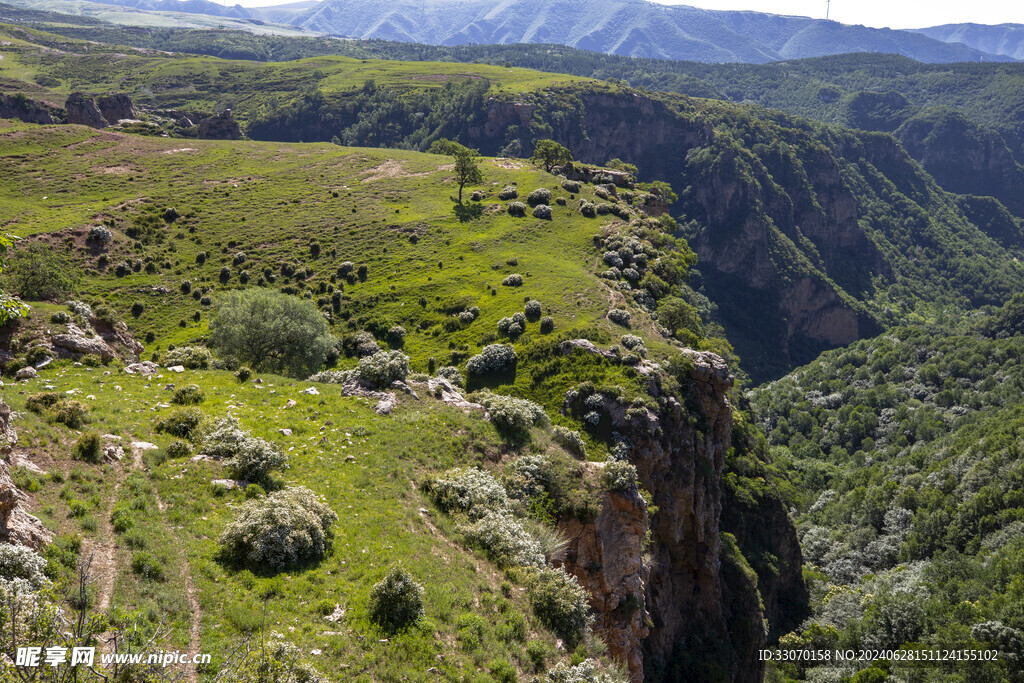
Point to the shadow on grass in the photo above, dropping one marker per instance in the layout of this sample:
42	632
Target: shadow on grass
468	212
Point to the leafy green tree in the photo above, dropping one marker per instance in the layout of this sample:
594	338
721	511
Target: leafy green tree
9	306
620	165
660	188
271	332
549	154
38	273
467	170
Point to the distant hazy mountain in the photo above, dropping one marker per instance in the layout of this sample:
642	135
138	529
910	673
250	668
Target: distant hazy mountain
1002	39
186	6
626	27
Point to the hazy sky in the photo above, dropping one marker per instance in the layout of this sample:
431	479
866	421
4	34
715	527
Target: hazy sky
891	13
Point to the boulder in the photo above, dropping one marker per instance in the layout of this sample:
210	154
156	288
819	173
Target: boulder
220	127
146	367
27	372
116	107
74	346
83	110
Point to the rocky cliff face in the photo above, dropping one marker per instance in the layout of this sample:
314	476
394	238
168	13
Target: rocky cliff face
700	595
16	525
220	127
82	110
24	109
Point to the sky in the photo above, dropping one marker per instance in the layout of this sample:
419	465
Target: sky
879	13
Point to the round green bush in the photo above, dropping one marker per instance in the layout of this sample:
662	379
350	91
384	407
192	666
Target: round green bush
561	604
188	395
396	602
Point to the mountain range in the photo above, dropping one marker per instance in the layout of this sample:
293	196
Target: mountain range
635	28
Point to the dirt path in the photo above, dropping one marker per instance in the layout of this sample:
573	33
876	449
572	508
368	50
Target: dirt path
191	674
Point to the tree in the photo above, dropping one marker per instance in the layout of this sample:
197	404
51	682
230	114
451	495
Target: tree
10	307
38	273
466	169
620	165
549	154
271	332
660	188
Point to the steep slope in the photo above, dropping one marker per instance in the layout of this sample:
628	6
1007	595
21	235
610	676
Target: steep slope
305	211
904	449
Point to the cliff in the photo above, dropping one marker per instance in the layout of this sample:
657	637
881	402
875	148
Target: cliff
687	608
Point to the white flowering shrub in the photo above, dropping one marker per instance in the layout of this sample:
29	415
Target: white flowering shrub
532	309
505	540
613	259
618	475
190	357
516	209
99	234
396	335
20	563
383	368
584	672
542	211
396	602
494	358
571	186
79	308
587	209
246	456
508	192
513	416
570	440
513	280
470	491
331	376
541	195
465	317
619	316
451	374
283	529
561	604
547	324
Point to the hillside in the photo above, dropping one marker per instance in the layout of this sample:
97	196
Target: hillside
904	449
1001	39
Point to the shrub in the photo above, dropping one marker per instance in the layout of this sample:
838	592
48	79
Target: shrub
470	491
532	310
20	563
587	209
121	518
247	457
225	274
547	324
541	195
465	317
542	211
510	327
79	308
73	414
571	186
619	316
452	374
37	403
60	318
495	358
188	395
186	287
182	423
383	368
396	335
99	234
38	272
631	341
276	662
271	332
239	259
618	475
584	672
570	440
516	209
561	604
190	357
508	192
505	540
513	416
147	566
88	447
396	602
243	374
283	529
513	280
178	449
360	344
